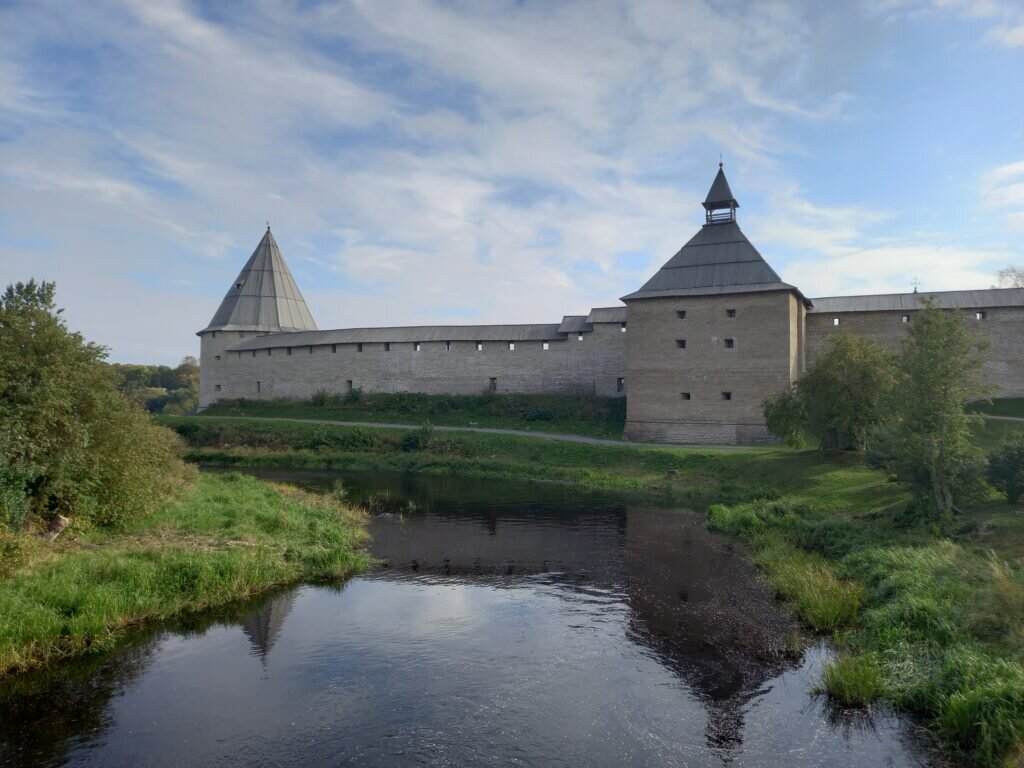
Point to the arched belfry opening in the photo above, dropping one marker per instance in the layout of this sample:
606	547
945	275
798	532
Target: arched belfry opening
720	205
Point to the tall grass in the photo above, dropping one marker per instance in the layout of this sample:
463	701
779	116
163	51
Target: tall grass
230	537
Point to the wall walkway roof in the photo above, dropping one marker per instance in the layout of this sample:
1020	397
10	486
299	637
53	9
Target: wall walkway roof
992	297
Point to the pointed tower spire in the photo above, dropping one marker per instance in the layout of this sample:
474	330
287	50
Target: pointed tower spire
720	198
264	296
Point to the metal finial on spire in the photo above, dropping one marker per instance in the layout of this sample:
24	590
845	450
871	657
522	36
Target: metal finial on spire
268	225
915	283
719	159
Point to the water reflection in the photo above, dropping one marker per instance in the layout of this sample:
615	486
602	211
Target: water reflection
508	624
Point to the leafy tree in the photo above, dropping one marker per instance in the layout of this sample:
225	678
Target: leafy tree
939	372
1010	277
1006	469
70	443
839	398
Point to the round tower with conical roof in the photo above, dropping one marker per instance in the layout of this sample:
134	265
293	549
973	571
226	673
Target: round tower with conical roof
262	300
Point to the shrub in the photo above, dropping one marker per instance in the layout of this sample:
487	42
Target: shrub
354	395
420	440
1006	469
321	398
93	455
537	414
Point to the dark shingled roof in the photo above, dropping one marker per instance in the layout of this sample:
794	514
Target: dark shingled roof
264	296
575	324
720	196
993	297
607	315
717	260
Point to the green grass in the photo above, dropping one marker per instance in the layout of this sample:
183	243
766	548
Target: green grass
1007	406
853	680
592	416
228	537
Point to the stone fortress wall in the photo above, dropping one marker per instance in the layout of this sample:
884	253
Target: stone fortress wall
294	366
695	350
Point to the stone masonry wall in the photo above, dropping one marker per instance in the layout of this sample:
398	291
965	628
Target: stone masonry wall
591	366
760	362
1003	327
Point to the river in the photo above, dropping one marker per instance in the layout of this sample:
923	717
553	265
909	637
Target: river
511	624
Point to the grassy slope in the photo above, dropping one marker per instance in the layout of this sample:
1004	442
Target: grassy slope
228	537
595	417
932	615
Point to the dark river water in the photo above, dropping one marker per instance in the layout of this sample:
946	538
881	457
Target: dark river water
509	624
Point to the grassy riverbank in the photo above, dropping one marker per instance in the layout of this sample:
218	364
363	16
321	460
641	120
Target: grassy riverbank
227	537
591	416
930	614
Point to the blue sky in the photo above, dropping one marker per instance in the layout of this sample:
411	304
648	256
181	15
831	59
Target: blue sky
426	162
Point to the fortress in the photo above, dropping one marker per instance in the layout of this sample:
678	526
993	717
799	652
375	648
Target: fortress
695	350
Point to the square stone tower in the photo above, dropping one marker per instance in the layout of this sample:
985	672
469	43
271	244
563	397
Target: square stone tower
712	333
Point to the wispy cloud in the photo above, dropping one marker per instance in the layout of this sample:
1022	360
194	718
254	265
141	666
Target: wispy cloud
423	161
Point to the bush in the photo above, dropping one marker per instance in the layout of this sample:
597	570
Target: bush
75	444
420	440
354	395
321	398
1006	469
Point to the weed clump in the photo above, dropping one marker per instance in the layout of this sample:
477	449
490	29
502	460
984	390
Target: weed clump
852	680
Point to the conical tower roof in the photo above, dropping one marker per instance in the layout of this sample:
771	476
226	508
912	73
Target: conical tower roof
264	296
717	260
720	196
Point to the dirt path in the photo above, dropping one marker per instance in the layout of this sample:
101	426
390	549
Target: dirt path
1003	418
565	438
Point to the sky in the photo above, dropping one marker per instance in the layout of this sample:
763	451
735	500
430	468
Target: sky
476	162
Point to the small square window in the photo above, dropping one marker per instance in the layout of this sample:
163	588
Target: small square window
684	395
620	384
730	313
254	353
681	314
216	357
479	346
216	387
980	315
447	346
727	395
544	345
359	347
269	350
622	327
511	346
579	337
311	349
730	343
289	350
416	347
835	321
334	348
681	343
904	318
241	334
387	346
214	336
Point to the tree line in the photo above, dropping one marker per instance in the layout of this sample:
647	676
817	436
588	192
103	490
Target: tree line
904	410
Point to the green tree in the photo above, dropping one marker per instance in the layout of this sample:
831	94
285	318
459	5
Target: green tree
70	442
839	398
939	372
1006	469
